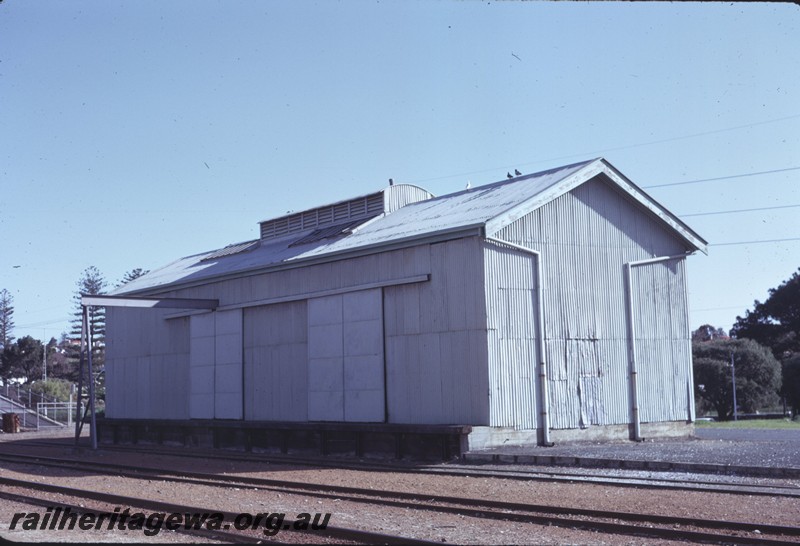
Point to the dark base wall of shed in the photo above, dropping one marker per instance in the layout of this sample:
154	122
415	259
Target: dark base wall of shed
416	442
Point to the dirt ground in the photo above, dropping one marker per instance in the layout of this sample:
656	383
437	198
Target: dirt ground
444	528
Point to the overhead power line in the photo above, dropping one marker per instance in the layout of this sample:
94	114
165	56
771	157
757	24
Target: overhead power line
755	242
722	178
738	210
40	324
594	153
720	308
694	135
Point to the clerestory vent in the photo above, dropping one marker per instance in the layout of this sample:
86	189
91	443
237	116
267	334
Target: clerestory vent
360	208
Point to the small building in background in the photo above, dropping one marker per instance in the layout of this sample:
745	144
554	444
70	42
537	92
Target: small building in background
544	308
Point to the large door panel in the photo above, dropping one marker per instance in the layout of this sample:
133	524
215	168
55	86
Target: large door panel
345	357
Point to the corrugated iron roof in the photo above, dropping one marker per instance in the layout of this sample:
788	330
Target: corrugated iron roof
487	207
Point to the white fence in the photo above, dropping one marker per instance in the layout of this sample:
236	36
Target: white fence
54	414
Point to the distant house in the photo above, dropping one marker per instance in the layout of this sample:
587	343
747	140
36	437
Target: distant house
547	307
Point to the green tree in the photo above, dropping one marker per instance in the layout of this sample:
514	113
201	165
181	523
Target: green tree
58	365
707	332
6	318
5	365
23	359
791	383
59	389
6	327
131	275
776	322
758	375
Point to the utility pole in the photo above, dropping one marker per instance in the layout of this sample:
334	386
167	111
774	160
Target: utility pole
733	375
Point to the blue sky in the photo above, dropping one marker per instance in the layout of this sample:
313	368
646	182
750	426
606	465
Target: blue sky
134	133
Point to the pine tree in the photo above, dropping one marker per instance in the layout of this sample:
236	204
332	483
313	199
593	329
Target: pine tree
91	283
6	327
6	318
131	275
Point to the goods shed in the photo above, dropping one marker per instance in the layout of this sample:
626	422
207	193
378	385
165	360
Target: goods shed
547	307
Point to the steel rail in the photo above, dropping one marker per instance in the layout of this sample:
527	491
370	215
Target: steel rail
499	509
455	469
631	481
537	475
342	533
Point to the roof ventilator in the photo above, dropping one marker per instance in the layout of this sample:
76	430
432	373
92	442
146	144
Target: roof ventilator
230	250
330	232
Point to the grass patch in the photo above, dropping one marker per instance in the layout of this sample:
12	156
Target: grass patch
751	423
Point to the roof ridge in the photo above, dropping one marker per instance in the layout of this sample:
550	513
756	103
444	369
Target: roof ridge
501	183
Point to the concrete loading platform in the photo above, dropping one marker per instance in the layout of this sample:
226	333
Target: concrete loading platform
745	452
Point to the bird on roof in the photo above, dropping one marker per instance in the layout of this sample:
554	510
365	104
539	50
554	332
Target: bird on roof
391	182
508	175
469	184
516	171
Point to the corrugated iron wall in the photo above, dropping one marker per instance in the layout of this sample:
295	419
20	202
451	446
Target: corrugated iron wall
511	305
663	342
436	341
585	237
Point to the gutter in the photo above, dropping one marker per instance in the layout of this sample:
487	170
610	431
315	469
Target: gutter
540	337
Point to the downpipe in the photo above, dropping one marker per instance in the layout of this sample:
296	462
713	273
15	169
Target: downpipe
540	337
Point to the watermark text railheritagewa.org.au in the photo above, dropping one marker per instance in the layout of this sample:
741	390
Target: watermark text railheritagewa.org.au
60	519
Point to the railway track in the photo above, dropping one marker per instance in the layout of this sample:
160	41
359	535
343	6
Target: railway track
250	535
571	476
632	524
